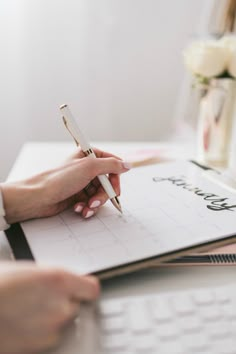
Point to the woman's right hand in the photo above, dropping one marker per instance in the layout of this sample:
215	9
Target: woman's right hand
37	303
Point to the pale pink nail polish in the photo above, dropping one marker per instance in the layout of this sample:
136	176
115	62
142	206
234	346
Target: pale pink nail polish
78	208
95	204
89	214
127	165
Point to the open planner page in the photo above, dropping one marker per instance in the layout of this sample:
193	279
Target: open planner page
166	207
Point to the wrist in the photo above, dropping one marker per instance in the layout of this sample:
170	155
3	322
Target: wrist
20	200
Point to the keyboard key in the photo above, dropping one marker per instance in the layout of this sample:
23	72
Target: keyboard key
167	330
138	317
116	351
224	346
233	326
110	308
219	329
203	297
183	305
222	296
114	342
161	310
210	313
113	324
192	324
171	346
229	311
196	342
144	342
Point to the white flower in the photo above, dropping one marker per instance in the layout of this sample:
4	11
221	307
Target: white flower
232	63
229	42
206	58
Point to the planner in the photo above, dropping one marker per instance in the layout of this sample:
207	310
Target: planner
170	210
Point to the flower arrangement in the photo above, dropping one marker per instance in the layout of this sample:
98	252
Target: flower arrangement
212	58
212	63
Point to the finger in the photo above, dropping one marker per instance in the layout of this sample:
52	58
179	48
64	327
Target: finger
41	342
82	197
74	286
100	197
85	288
88	212
79	173
50	342
103	166
90	189
78	207
96	183
100	153
78	154
85	211
67	313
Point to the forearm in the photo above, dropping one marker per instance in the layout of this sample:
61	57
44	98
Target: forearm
21	200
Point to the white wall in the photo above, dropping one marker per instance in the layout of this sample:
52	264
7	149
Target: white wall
118	63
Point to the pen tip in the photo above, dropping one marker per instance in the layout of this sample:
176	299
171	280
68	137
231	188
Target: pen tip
116	203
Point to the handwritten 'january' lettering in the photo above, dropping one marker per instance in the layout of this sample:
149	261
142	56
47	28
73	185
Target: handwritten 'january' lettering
217	203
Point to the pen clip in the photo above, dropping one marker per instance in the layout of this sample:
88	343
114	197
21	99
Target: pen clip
67	127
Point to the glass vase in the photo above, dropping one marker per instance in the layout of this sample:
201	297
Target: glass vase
215	122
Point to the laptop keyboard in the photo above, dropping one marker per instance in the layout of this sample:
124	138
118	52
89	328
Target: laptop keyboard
197	321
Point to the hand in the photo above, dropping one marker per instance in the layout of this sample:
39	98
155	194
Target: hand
52	191
36	304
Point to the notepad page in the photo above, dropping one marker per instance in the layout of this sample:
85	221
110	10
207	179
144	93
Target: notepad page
166	207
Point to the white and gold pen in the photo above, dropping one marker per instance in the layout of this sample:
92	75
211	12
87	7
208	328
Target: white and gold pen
80	140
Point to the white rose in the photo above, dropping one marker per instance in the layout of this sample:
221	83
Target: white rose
228	42
232	63
206	58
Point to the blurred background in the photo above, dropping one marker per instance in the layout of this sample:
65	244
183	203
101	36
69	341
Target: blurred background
117	63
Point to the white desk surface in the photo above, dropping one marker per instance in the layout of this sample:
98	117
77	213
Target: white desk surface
35	157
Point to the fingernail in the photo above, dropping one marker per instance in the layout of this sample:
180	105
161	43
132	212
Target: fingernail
127	165
95	284
89	214
95	204
78	208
